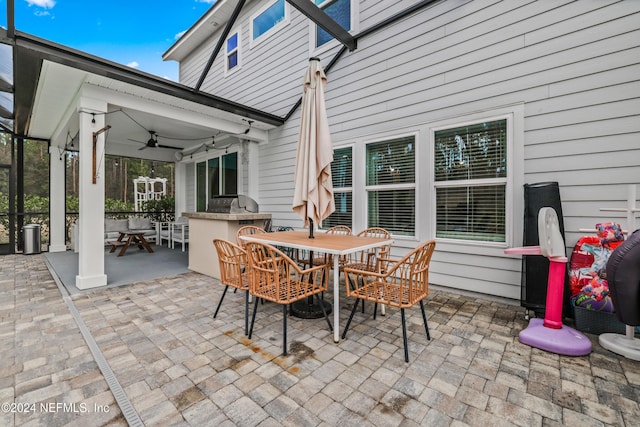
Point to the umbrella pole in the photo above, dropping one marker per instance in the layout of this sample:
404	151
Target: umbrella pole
310	309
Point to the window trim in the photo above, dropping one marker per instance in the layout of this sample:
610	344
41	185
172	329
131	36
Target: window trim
355	24
511	116
237	50
264	36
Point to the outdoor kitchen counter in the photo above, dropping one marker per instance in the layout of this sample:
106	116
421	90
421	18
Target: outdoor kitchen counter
206	226
228	216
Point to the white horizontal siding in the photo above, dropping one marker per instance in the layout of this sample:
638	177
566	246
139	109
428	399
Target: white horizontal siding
573	66
269	76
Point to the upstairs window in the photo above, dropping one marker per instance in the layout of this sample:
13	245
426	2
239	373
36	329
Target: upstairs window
340	11
470	176
233	54
268	19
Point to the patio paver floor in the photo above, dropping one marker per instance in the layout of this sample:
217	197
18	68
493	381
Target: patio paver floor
179	366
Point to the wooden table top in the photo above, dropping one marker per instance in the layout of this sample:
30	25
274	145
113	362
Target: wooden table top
336	244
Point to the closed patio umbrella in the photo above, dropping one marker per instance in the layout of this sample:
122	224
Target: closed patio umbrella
313	191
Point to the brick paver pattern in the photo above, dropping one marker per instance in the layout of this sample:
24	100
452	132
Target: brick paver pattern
179	366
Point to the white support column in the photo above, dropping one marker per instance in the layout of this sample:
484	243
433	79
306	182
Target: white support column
57	220
180	189
91	272
253	172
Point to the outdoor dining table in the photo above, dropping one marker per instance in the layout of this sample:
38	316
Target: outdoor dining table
334	244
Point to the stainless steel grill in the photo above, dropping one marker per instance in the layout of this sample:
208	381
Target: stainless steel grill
232	204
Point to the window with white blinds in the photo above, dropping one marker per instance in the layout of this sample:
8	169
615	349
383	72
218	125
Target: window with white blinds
470	178
391	185
342	178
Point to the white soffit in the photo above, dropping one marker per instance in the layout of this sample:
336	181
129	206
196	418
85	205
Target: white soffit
201	31
57	88
59	85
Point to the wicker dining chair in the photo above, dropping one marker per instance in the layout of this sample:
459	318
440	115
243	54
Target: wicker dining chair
403	284
369	259
247	230
234	272
277	278
291	252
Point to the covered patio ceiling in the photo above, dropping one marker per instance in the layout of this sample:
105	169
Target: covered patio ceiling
51	78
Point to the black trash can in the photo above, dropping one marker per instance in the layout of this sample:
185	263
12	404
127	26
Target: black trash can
31	239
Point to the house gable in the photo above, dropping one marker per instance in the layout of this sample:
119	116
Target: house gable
565	71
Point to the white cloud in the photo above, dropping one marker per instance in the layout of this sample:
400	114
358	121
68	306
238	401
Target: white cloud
180	34
133	64
46	4
41	13
206	1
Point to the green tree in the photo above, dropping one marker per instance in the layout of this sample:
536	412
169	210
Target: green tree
36	169
161	210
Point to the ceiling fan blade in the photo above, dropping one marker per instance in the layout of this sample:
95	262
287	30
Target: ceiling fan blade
153	143
168	146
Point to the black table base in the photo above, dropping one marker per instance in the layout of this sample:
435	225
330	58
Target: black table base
305	309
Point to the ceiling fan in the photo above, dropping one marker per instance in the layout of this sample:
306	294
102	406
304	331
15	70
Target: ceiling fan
152	142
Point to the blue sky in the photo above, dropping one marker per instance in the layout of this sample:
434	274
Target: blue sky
133	32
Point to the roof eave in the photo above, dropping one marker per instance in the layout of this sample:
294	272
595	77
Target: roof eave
31	51
175	52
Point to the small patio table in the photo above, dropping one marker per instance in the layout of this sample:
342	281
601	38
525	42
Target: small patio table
132	238
334	244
